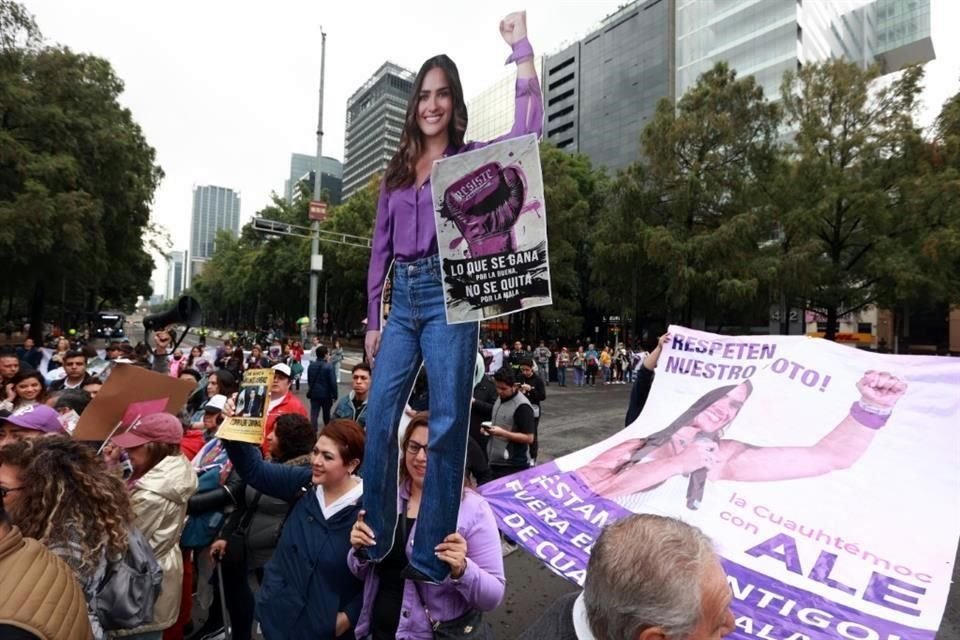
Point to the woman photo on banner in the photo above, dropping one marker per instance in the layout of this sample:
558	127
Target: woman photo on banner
405	233
693	444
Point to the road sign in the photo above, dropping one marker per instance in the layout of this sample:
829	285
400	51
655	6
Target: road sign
318	210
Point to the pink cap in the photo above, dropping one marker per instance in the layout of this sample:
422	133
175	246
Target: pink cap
156	427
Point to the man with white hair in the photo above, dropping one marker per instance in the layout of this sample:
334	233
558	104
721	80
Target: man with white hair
649	578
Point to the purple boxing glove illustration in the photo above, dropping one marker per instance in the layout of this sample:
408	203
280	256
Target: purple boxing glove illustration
485	205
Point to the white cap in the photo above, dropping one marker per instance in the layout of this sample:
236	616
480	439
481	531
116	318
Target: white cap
216	403
282	368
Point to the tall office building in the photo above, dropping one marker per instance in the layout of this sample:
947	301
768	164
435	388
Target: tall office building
303	166
375	114
214	208
491	111
176	273
600	92
765	39
902	33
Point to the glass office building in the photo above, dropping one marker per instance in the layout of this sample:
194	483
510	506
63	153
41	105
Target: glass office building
600	92
176	273
765	38
214	209
490	112
375	114
303	166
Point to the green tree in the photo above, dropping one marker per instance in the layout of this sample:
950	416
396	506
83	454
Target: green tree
262	278
682	225
573	191
852	218
344	281
77	176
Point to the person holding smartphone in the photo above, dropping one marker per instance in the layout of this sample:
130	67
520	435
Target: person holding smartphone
511	428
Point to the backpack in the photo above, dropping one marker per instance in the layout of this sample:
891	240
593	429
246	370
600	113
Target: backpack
130	587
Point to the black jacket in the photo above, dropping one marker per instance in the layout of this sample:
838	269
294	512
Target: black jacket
321	381
639	394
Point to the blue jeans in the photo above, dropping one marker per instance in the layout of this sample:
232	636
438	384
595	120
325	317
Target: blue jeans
562	376
418	331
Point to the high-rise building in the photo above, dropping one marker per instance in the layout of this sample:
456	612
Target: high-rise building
765	39
600	92
902	33
214	209
176	273
375	114
303	166
491	111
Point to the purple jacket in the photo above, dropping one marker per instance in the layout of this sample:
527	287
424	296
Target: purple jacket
405	229
481	586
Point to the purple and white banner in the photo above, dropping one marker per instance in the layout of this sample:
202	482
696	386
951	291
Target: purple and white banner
826	477
492	230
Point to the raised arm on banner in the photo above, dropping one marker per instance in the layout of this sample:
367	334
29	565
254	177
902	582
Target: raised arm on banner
837	450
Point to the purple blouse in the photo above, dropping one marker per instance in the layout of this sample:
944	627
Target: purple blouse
405	229
481	586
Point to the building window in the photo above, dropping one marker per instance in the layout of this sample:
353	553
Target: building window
864	327
565	79
560	67
562	96
560	129
559	114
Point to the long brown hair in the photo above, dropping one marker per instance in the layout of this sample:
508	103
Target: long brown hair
69	498
402	169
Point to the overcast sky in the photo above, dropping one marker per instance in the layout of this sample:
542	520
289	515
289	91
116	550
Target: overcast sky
226	91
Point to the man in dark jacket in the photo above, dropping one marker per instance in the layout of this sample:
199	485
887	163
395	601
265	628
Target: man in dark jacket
649	578
321	387
641	386
532	386
353	406
30	354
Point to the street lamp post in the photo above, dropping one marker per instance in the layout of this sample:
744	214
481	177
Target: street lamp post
317	191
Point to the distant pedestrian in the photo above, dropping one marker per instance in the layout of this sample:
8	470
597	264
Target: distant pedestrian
563	362
541	356
321	387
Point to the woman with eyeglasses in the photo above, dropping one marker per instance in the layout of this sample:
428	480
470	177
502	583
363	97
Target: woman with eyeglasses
394	607
57	491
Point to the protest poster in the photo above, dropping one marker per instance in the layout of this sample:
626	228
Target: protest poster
251	408
826	477
130	386
494	360
492	230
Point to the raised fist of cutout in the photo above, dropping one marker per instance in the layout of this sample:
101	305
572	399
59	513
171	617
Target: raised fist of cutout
881	389
485	205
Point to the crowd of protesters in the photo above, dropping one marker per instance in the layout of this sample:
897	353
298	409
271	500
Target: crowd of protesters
267	537
584	365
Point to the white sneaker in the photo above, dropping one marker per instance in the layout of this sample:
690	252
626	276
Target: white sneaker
506	548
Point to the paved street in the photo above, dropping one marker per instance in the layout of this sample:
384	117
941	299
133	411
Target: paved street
572	419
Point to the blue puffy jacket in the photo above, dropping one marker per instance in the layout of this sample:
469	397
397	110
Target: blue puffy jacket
307	582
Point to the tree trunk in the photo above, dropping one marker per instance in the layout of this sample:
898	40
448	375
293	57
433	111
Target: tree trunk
832	320
36	311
